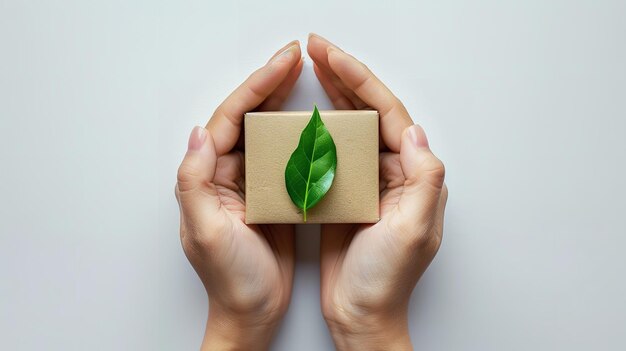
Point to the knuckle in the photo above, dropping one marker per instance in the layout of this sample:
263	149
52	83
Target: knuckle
435	171
415	237
186	177
421	240
425	243
202	240
397	104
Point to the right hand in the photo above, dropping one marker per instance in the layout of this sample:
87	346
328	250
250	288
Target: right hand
369	271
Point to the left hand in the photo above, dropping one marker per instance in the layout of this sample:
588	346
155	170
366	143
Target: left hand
247	270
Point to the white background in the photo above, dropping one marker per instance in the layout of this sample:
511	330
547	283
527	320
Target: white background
524	101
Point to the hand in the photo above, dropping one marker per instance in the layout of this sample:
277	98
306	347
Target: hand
369	271
247	270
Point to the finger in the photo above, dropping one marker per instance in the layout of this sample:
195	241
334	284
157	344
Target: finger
358	78
288	45
424	178
230	172
390	171
317	47
225	124
196	194
276	99
338	99
419	165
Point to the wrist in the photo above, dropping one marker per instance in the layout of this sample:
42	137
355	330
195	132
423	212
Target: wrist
232	332
371	333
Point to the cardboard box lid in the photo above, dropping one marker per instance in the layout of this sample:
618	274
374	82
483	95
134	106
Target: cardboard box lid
271	137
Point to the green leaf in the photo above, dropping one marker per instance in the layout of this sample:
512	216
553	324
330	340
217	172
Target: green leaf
311	167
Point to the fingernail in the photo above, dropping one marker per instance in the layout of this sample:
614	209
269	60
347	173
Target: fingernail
324	39
418	136
315	35
196	139
336	50
285	55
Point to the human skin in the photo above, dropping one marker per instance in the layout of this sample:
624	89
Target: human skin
368	271
247	270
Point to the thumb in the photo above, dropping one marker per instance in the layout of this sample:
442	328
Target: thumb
424	176
196	194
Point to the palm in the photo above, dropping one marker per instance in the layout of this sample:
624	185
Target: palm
371	268
260	257
255	262
368	256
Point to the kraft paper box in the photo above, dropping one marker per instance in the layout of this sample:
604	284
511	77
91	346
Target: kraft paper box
271	137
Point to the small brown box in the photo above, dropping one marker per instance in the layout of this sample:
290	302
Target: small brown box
270	139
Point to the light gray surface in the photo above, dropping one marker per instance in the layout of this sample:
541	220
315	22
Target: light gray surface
524	102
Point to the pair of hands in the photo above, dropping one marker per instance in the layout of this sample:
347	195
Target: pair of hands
367	271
